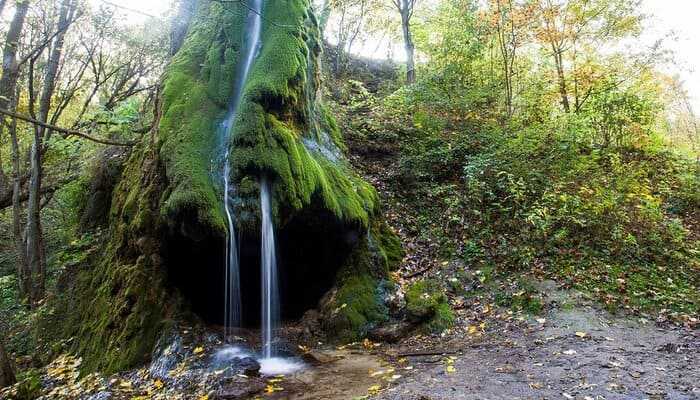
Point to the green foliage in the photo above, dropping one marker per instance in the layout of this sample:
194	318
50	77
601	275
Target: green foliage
592	216
427	303
29	386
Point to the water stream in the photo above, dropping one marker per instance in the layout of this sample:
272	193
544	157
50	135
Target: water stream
270	363
232	307
270	291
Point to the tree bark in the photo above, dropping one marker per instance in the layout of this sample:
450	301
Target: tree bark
7	376
405	8
561	78
35	245
8	99
23	273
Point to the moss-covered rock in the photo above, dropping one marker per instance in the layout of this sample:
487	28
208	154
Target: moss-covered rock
426	303
116	305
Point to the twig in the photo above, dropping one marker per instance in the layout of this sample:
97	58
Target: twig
427	353
418	273
63	131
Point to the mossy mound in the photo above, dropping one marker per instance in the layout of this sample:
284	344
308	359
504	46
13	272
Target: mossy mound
426	303
115	301
117	304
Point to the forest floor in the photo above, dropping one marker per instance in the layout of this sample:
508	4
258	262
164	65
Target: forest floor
574	352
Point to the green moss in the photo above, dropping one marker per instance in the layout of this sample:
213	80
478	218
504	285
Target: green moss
427	303
197	88
117	303
357	305
388	245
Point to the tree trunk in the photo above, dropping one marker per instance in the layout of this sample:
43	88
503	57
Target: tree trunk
23	273
35	245
7	376
406	10
561	78
8	91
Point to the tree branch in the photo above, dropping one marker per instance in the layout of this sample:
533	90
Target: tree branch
65	132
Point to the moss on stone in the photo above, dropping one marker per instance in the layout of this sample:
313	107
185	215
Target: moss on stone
196	90
388	245
358	305
427	303
116	307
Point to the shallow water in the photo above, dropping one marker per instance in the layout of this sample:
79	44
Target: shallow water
280	366
268	365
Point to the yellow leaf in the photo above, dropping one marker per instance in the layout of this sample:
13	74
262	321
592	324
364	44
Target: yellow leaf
204	397
158	384
581	334
374	389
451	369
271	389
472	329
198	350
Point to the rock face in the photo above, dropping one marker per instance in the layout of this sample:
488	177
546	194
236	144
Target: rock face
163	258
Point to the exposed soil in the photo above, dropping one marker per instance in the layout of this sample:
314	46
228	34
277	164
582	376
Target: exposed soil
577	353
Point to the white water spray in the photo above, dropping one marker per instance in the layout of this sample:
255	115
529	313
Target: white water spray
232	306
270	291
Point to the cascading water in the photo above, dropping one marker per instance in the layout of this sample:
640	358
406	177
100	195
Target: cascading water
270	365
270	292
232	306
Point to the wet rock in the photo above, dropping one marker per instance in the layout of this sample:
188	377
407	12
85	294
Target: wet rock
240	390
249	366
391	333
318	358
235	360
311	324
168	353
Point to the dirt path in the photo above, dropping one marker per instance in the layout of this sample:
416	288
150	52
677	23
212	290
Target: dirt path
575	353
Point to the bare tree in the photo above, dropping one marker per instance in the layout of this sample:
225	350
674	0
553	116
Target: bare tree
406	8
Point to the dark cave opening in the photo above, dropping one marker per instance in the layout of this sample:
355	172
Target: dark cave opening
196	269
310	249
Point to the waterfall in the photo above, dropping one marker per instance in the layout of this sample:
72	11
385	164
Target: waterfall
232	306
270	292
